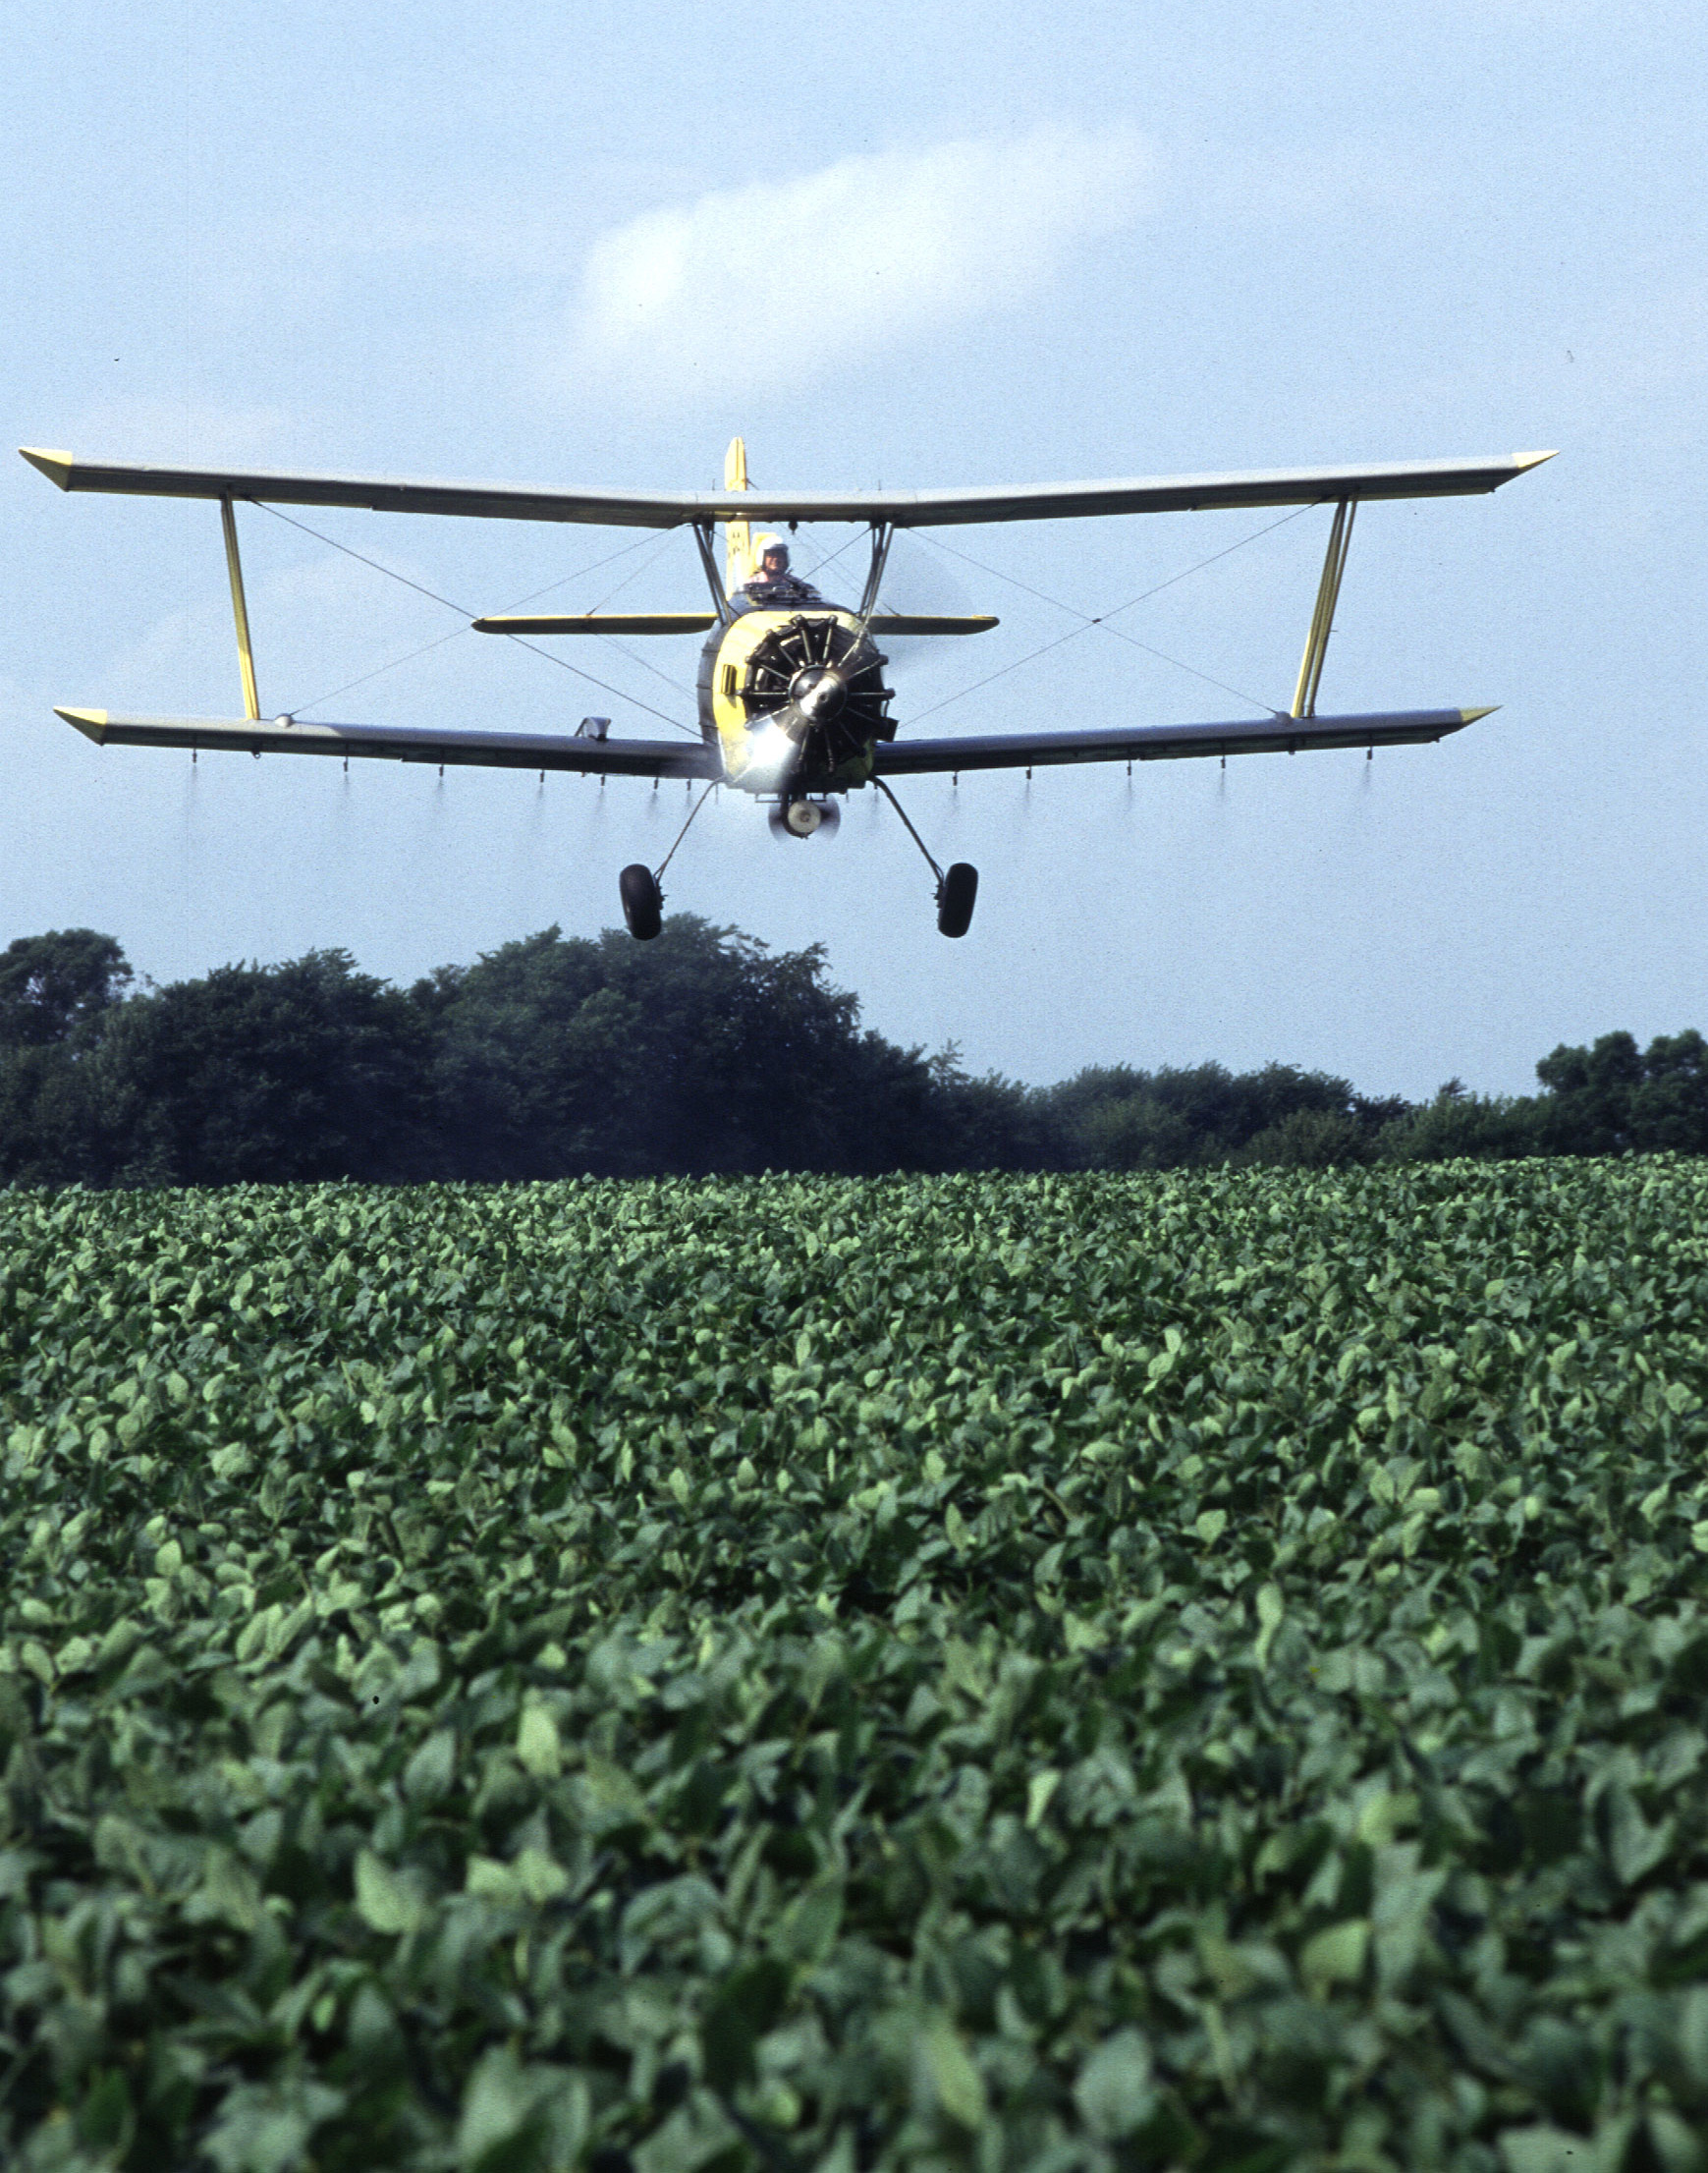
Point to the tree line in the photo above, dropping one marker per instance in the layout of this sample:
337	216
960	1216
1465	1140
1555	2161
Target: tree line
701	1053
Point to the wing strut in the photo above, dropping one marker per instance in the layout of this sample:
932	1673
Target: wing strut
240	610
882	531
702	535
1327	595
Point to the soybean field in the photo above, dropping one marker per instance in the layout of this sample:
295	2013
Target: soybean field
801	1676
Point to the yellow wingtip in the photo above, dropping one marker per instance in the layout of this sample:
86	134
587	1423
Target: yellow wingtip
1535	460
91	721
1470	716
55	466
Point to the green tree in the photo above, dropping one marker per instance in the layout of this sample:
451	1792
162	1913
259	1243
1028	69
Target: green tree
1587	1095
305	1071
1178	1117
49	1120
57	985
56	992
1310	1139
703	1052
1670	1108
1457	1126
1610	1099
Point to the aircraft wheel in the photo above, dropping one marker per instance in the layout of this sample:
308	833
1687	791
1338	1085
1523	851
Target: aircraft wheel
642	902
955	901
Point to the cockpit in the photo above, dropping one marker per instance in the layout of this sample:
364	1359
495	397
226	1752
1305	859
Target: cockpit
773	587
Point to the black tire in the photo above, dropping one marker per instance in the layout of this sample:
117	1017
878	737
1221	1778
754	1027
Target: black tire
642	902
955	901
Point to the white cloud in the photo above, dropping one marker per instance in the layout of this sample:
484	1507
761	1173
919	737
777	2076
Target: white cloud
859	257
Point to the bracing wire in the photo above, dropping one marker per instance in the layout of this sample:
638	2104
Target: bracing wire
1072	634
1087	620
465	612
379	671
813	572
645	663
610	559
646	564
1102	618
623	650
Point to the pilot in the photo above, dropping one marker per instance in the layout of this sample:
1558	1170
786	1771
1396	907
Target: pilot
774	587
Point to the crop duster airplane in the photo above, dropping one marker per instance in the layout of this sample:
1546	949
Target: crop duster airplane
793	704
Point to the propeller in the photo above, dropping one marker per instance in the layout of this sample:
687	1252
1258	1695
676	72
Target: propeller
817	694
814	689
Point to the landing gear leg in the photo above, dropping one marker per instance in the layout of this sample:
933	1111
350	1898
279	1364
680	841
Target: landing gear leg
957	886
642	897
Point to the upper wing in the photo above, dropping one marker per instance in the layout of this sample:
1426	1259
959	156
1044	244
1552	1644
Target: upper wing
1149	743
404	743
905	508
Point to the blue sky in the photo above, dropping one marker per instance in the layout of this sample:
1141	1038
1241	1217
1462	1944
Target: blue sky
920	245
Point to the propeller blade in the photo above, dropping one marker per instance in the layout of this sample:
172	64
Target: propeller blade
773	750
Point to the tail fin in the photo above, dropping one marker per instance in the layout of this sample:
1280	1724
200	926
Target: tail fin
737	543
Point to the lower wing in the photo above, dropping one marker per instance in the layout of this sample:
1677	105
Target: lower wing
407	744
693	758
1150	743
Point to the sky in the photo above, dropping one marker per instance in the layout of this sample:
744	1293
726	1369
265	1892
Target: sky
922	247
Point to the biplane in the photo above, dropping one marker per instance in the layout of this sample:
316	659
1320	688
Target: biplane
793	703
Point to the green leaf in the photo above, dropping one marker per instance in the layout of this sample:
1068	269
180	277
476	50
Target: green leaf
1677	2148
953	2075
1114	2091
519	2119
810	1923
1271	1607
229	1893
1692	2033
106	2119
431	1769
388	1901
611	1796
266	2128
1634	1846
744	2006
1334	1957
1546	2150
537	1745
